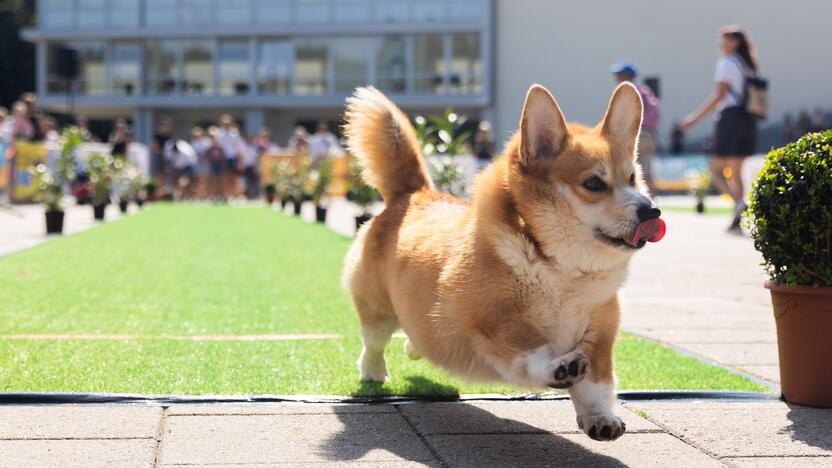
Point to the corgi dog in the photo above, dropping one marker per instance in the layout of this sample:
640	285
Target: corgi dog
520	284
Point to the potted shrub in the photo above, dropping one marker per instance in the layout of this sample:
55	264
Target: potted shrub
360	193
150	191
124	182
791	223
52	182
298	186
101	181
270	190
443	137
321	178
699	186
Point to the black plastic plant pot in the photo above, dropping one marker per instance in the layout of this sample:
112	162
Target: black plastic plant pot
700	207
283	202
320	214
269	197
54	222
139	202
122	206
98	211
360	220
297	206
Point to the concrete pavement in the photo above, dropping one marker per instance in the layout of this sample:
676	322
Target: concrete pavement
465	434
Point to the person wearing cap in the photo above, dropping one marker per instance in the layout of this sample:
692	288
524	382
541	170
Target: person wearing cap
627	71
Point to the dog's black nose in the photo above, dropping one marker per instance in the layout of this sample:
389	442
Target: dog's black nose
647	212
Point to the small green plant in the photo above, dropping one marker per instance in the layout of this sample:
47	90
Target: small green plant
298	183
358	191
52	182
790	215
102	170
280	175
321	180
127	180
699	186
444	137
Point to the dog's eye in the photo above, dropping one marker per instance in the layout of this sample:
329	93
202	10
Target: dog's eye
594	184
632	180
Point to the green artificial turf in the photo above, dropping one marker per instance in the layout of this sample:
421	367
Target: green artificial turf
215	270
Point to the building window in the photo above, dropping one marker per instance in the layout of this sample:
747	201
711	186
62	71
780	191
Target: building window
198	67
273	12
197	12
92	67
466	64
429	11
351	11
392	11
391	64
234	62
56	13
92	13
234	12
428	64
274	67
310	70
58	60
313	11
124	68
351	62
124	13
466	10
161	70
160	13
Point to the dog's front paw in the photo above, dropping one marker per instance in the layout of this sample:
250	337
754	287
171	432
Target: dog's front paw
602	426
569	369
373	369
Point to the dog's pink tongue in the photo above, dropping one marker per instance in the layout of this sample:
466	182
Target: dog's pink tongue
651	230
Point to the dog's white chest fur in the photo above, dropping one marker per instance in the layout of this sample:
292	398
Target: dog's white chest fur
560	299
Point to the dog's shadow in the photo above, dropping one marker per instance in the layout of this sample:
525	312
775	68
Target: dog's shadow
411	434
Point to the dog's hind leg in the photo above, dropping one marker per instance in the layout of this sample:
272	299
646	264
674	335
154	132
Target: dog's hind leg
376	331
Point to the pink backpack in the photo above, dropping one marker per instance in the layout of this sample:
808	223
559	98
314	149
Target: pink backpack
651	108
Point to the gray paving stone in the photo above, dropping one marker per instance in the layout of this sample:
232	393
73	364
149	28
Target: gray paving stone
523	450
287	438
79	421
708	335
746	429
277	408
391	464
505	417
779	462
736	354
124	453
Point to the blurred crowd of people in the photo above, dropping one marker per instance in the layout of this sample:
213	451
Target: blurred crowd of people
794	128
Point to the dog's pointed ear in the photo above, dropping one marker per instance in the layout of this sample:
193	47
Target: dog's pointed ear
622	122
542	127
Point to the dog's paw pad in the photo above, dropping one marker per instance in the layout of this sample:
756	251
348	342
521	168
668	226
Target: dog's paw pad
570	369
604	427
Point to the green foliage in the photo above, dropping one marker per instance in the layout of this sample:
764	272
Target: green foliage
102	170
699	183
358	191
443	136
52	183
321	179
281	174
791	212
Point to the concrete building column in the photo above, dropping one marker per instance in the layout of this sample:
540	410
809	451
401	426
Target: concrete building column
255	119
143	125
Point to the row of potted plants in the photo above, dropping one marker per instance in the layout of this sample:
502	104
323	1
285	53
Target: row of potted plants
297	182
104	177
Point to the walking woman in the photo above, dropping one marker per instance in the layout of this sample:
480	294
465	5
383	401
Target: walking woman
735	136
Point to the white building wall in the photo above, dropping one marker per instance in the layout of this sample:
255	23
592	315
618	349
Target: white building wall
568	46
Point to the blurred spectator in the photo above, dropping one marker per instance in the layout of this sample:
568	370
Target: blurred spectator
183	160
626	71
251	167
483	146
735	135
216	161
158	164
21	126
818	120
84	127
228	136
804	122
321	143
36	115
118	138
299	142
200	143
790	130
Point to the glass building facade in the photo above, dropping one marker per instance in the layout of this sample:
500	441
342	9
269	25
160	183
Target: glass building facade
263	54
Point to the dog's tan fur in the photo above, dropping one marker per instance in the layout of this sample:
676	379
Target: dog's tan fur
515	283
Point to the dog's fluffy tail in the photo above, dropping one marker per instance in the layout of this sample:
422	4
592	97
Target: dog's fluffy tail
384	141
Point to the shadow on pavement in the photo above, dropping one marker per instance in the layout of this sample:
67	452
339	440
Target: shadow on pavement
812	426
385	436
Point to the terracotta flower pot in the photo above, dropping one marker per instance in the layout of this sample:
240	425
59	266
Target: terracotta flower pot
804	340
